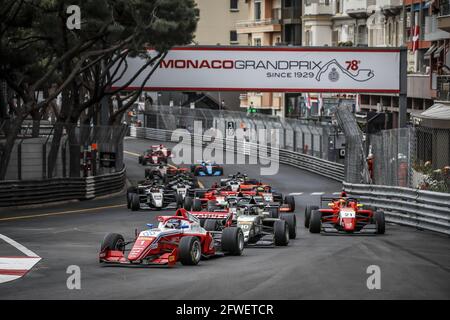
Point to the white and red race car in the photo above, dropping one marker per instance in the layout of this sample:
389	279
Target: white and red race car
177	238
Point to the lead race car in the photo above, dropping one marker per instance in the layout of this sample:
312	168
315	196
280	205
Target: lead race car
177	238
344	215
156	155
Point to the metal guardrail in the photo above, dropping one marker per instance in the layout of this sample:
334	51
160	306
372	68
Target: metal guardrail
18	193
410	207
305	162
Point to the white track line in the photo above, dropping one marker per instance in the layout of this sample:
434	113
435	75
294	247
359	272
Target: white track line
13	268
18	246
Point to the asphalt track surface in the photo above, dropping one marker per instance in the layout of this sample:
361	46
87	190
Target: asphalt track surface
414	264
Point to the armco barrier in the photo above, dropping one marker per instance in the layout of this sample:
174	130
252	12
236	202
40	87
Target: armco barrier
305	162
411	207
17	192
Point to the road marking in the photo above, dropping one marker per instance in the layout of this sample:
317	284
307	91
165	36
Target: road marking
317	193
18	246
13	268
131	153
296	193
61	213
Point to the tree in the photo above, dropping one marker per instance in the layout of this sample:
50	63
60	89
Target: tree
37	50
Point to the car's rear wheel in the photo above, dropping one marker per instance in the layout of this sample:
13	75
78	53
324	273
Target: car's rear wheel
290	201
308	211
135	202
291	221
380	221
188	203
179	201
197	205
315	223
189	250
210	225
281	233
113	241
274	212
233	241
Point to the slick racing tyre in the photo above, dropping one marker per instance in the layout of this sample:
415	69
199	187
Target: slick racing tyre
197	205
308	211
274	212
315	224
281	233
291	221
113	241
188	203
380	221
130	192
290	201
135	202
189	251
233	241
179	201
210	225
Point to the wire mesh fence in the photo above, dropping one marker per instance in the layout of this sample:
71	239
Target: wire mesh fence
416	157
82	151
320	139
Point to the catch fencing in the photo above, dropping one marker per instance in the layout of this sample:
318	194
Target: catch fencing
410	207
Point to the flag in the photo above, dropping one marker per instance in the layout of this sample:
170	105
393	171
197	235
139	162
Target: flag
357	103
307	101
415	38
320	104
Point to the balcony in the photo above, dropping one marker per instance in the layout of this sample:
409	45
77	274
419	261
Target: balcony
270	24
390	7
359	9
444	16
443	88
315	9
419	86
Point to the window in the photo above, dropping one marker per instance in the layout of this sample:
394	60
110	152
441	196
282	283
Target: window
287	3
233	36
257	10
257	42
234	5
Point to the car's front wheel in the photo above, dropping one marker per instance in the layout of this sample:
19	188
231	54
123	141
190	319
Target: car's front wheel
232	241
189	251
281	233
380	221
316	221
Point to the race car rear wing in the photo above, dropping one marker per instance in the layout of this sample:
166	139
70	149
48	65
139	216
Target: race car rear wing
330	198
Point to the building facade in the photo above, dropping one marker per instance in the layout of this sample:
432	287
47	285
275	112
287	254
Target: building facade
217	23
270	23
421	25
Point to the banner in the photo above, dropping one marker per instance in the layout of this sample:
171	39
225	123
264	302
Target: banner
284	69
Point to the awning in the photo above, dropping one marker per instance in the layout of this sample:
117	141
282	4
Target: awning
437	53
430	51
437	116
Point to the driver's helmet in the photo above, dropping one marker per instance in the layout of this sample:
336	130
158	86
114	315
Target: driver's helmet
260	189
173	224
343	194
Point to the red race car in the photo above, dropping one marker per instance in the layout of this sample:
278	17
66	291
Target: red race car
157	155
177	238
344	215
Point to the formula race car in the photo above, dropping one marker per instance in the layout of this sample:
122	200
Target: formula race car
261	223
177	238
344	215
153	195
157	155
206	168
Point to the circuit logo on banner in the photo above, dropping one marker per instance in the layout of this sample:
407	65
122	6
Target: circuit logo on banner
270	69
